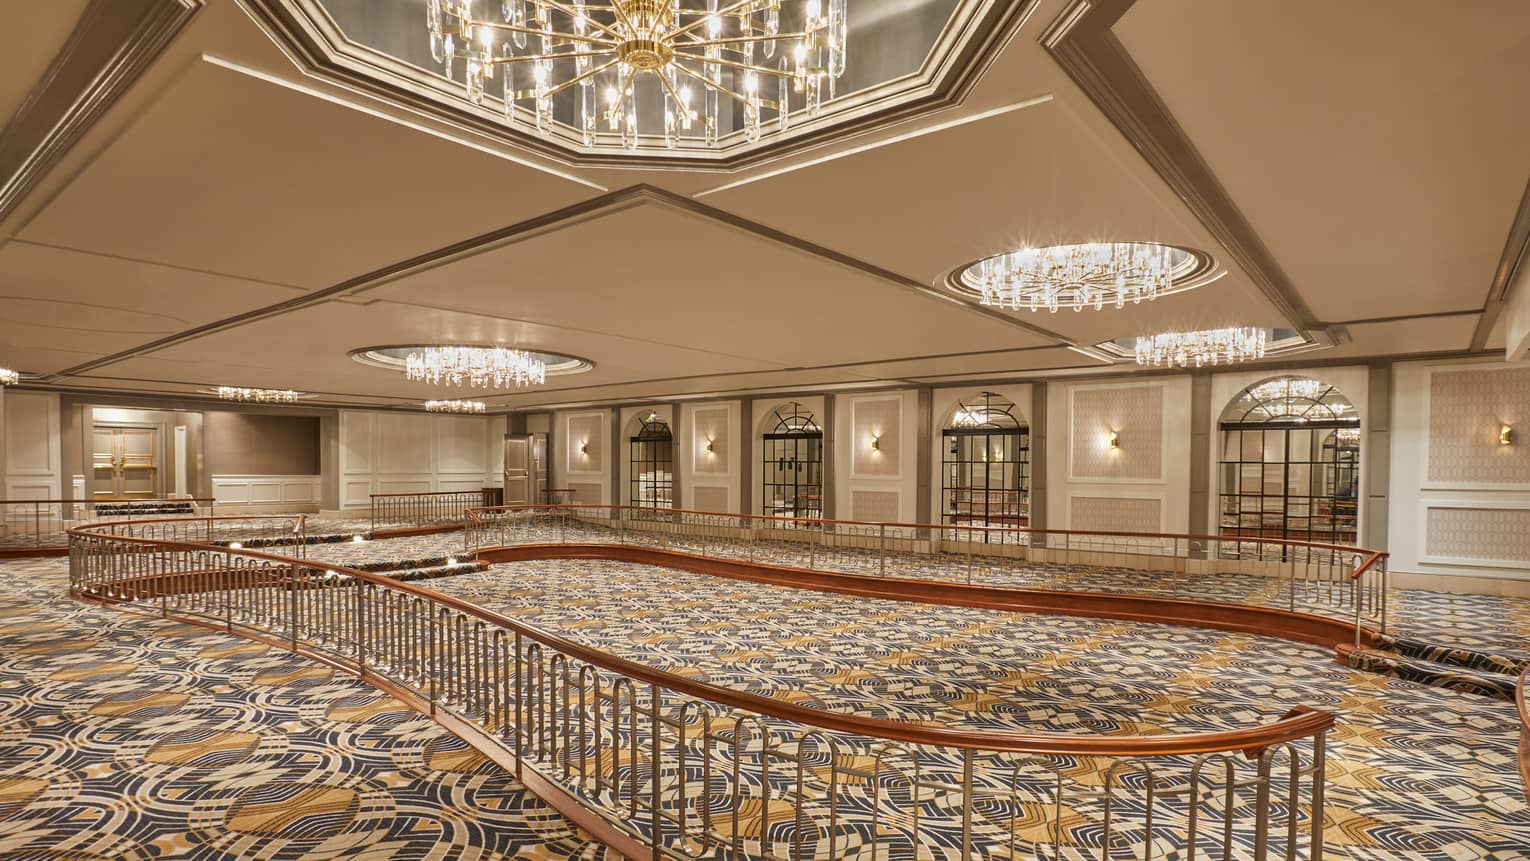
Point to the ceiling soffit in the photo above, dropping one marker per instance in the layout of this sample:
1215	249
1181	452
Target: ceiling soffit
963	51
113	43
1081	42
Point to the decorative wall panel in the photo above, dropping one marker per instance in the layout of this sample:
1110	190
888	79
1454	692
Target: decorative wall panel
1470	533
270	492
709	498
880	418
876	505
586	443
1135	413
1115	514
585	493
711	424
1466	410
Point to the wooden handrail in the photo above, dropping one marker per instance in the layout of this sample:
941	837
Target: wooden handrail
1372	555
1295	725
428	493
105	501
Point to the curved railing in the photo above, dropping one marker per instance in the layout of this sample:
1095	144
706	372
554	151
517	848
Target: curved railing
1331	580
1522	701
403	511
38	524
692	769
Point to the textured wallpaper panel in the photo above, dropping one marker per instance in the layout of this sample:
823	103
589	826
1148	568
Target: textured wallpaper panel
876	505
585	493
1114	514
711	423
1134	412
879	417
586	429
1466	410
709	499
1499	534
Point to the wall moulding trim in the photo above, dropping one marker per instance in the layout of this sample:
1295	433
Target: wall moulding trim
113	43
1428	505
1163	435
266	490
308	36
1127	494
1489	442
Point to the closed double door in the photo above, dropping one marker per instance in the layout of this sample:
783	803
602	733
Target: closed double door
125	463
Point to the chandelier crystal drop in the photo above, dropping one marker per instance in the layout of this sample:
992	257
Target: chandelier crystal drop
705	54
9	377
467	407
258	396
482	367
1094	275
1204	347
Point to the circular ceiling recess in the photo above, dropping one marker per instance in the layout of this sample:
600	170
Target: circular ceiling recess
395	357
1085	275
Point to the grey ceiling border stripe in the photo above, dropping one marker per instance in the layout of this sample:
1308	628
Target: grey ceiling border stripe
1081	42
633	195
1516	251
111	45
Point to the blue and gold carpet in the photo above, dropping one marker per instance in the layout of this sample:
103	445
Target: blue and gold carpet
124	738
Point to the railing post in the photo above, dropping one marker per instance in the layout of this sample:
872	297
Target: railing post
655	796
292	603
37	523
1262	805
966	851
361	627
882	550
1319	784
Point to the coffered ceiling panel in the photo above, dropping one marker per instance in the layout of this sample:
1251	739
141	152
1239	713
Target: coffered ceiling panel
232	174
654	271
1034	176
1377	148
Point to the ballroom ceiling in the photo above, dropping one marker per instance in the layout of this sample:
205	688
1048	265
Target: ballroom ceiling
234	206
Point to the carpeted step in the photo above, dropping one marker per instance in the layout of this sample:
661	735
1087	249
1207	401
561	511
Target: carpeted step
1432	673
466	566
1455	656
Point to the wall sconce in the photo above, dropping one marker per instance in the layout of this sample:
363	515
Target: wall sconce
876	443
709	447
584	448
1506	435
1115	441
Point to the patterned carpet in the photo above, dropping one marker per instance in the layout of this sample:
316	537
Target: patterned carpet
125	737
1416	773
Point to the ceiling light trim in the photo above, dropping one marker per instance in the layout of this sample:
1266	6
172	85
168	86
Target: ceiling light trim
955	64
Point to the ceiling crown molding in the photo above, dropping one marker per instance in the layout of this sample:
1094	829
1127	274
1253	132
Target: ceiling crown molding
111	45
316	44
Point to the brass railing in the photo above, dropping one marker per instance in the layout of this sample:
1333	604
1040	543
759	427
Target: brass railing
1332	580
44	523
1522	702
690	769
419	510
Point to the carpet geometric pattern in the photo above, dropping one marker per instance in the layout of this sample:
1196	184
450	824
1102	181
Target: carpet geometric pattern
1415	773
128	737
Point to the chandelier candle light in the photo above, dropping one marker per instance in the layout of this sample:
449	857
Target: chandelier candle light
471	407
259	396
721	50
1074	276
1205	347
483	367
9	377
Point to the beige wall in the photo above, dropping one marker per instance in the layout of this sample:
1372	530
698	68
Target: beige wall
252	444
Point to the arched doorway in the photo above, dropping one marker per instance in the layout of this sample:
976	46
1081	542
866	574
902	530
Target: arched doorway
1290	463
791	463
651	463
985	464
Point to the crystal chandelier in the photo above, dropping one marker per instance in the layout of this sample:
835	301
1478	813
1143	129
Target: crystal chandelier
470	407
259	396
9	377
1075	276
701	52
1205	347
497	367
